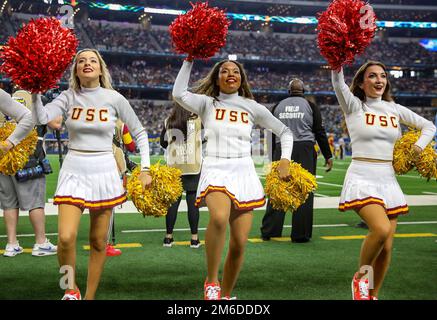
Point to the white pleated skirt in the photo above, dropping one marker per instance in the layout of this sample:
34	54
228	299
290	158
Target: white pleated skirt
235	177
372	183
90	180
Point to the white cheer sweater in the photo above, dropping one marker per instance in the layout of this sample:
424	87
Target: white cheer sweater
228	119
90	116
374	125
19	113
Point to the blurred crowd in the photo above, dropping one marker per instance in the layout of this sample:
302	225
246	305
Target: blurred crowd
254	45
139	72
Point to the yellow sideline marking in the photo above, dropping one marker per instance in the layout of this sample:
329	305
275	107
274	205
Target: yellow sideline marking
255	240
118	246
282	239
397	235
342	237
24	251
355	237
186	243
121	245
415	235
258	240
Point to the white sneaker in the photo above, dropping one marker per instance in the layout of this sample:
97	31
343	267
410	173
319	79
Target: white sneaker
44	249
12	250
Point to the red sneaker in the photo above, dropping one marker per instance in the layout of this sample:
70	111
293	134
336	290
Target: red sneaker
360	288
111	251
373	298
211	291
72	295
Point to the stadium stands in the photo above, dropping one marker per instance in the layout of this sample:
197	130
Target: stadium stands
143	65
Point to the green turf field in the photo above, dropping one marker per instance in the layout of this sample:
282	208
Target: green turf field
329	183
321	269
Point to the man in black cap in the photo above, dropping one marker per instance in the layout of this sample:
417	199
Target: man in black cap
305	121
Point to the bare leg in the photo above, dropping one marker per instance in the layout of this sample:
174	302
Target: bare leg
68	225
240	223
11	222
382	262
38	219
99	224
219	206
379	230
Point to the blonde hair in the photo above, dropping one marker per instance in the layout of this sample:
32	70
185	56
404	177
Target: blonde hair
209	86
359	79
105	78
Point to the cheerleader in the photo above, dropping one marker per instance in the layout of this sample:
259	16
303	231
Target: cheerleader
19	113
89	176
370	186
228	185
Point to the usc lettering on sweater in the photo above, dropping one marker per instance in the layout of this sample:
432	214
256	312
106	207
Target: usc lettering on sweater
90	116
228	119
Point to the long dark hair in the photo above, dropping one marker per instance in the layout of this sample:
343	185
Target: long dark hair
359	79
209	86
178	120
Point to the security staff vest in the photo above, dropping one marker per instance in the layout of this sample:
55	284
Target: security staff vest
296	113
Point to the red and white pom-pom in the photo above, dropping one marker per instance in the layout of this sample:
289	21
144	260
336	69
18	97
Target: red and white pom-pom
345	29
201	32
38	56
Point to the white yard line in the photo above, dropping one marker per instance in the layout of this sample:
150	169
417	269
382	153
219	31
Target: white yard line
29	235
321	195
333	169
203	229
408	176
320	202
330	184
419	222
285	226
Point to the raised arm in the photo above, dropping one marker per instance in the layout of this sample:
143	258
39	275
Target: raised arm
128	116
19	113
267	120
192	102
348	102
412	119
44	114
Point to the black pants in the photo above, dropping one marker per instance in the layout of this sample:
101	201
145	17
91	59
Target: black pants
190	185
302	218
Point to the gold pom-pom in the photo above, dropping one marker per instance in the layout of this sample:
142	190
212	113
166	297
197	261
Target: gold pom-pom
427	162
289	195
403	156
16	158
165	189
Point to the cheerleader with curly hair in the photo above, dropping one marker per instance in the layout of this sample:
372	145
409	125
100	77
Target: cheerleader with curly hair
228	185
